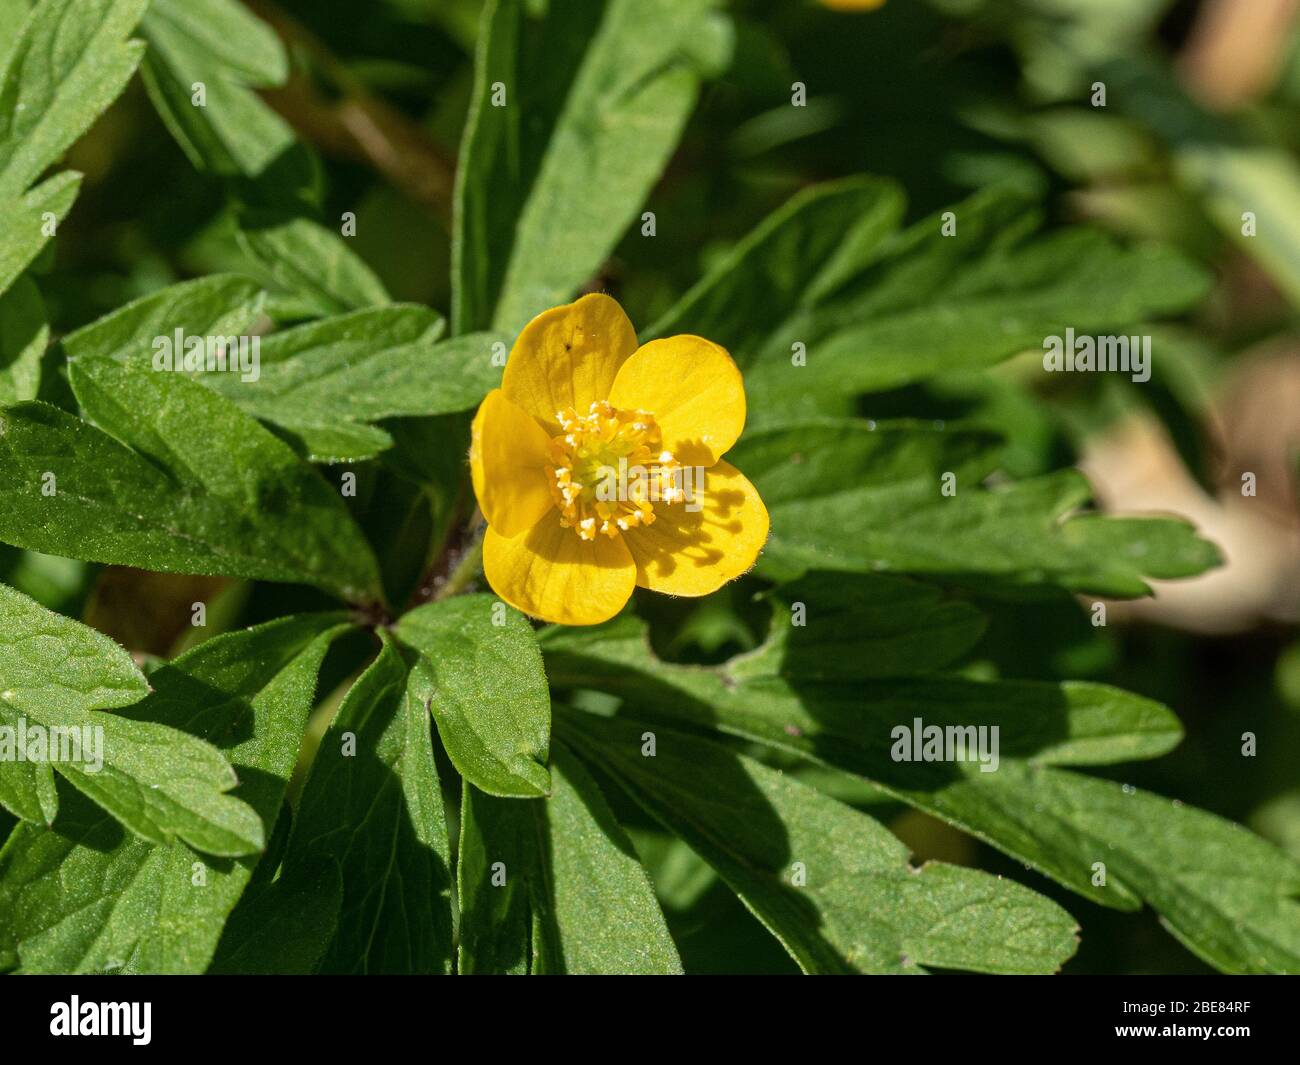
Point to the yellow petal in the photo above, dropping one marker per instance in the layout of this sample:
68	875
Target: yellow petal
568	357
550	574
509	461
694	390
686	553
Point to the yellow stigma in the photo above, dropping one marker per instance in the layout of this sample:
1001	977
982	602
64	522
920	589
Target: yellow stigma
609	469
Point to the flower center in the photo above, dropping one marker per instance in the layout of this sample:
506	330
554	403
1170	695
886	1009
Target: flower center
609	469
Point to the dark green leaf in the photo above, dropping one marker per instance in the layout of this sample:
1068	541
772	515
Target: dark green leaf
283	927
24	332
479	669
373	804
86	897
596	93
853	495
71	61
320	382
830	883
823	624
553	886
1236	909
874	313
842	720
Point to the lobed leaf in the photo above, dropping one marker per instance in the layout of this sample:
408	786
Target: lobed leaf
71	60
85	897
874	311
478	668
1237	909
326	382
596	95
373	806
574	898
862	496
834	886
24	333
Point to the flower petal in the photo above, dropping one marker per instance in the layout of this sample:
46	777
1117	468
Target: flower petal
568	357
509	461
694	390
685	553
549	573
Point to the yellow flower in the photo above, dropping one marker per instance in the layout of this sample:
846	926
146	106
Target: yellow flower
588	463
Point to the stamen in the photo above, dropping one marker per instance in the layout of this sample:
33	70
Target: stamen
610	469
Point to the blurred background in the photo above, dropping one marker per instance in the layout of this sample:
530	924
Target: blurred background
1200	125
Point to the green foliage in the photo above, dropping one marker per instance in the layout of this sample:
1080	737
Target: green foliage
24	333
327	382
831	884
364	761
607	86
874	308
482	679
863	496
219	44
577	901
373	806
118	903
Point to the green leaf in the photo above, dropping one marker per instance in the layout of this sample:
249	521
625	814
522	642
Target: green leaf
24	333
190	484
830	883
1237	910
793	260
1227	895
84	897
821	625
218	306
373	804
604	906
238	136
500	885
312	262
1231	174
479	669
26	230
52	668
575	898
853	495
70	62
847	719
218	43
282	927
875	313
239	503
322	382
596	93
159	782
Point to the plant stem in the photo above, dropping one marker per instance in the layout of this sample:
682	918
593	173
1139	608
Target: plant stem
468	568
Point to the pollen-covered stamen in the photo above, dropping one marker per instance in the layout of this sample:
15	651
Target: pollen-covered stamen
609	469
